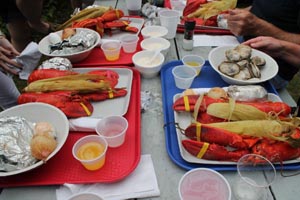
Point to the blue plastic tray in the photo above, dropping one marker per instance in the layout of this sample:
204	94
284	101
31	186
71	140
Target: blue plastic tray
208	78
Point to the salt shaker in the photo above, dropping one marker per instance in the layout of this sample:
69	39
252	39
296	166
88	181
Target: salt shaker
188	42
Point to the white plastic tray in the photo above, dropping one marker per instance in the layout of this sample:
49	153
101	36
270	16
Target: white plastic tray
117	106
184	119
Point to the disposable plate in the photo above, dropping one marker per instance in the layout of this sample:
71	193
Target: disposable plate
117	106
184	119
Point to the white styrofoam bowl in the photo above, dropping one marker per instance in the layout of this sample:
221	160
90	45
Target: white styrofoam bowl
148	70
74	57
153	44
268	71
154	31
40	112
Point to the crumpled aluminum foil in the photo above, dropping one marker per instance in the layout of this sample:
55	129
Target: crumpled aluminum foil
57	63
15	137
247	93
81	41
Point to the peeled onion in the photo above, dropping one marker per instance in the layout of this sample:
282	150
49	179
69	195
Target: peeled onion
43	142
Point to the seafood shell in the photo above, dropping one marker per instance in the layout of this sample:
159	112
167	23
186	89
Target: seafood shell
258	61
229	68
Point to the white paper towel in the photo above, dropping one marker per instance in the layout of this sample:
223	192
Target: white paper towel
140	183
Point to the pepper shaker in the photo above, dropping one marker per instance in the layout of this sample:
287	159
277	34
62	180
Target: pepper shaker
188	42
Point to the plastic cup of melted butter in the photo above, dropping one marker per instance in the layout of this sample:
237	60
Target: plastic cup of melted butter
90	151
194	61
111	50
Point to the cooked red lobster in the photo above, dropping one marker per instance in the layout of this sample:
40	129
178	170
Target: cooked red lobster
73	103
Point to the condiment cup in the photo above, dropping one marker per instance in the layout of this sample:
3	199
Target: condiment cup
129	43
85	196
203	183
113	129
194	61
153	44
111	50
255	174
154	31
141	59
184	76
90	151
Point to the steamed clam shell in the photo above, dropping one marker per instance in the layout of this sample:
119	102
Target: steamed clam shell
240	65
229	68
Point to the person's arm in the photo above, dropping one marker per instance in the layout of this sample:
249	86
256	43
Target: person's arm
243	22
7	52
288	51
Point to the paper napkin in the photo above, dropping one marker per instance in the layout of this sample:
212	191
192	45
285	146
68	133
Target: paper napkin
141	183
29	58
85	124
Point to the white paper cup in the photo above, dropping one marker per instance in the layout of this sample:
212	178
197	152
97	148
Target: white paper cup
194	61
111	50
133	6
129	43
113	129
84	196
184	76
90	151
170	20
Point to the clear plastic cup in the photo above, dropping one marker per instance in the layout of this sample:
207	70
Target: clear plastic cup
170	20
129	43
194	61
90	151
255	174
184	76
203	183
113	129
133	6
111	50
85	195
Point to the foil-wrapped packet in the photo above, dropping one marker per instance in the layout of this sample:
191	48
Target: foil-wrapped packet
81	41
15	137
57	63
247	93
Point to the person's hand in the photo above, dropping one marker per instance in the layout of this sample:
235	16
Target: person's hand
241	22
269	45
7	52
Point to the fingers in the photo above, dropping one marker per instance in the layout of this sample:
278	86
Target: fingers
4	59
7	68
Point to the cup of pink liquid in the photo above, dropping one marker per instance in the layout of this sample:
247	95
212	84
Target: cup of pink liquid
204	183
113	129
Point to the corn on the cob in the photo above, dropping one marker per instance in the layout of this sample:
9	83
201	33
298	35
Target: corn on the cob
213	8
81	83
258	128
85	14
238	112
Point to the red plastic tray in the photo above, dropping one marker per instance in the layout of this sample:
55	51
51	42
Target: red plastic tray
200	29
63	168
97	58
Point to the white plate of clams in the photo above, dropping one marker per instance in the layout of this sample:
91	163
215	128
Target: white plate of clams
237	65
